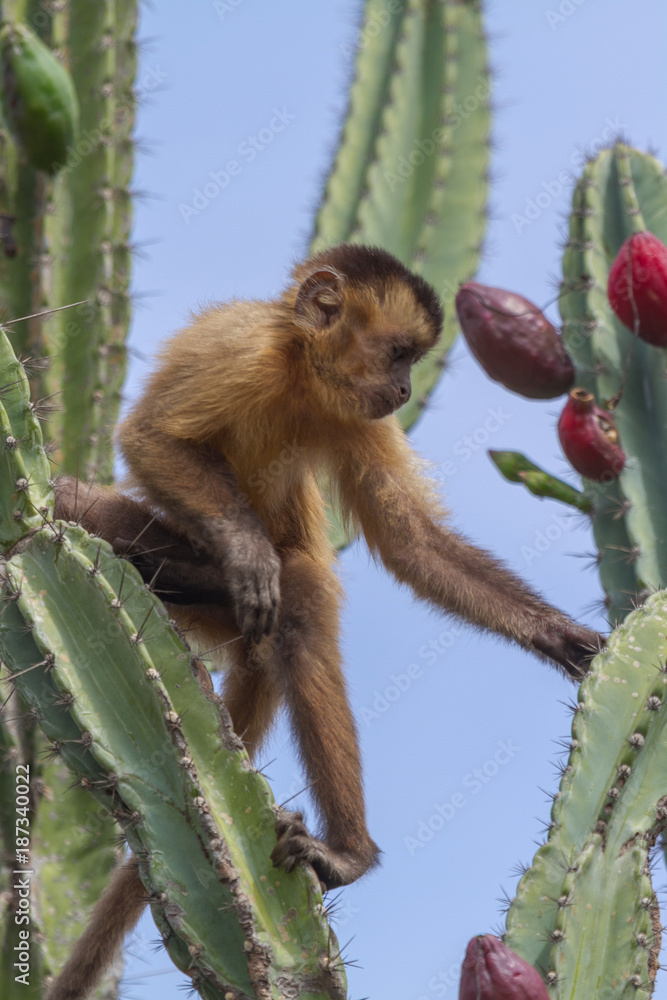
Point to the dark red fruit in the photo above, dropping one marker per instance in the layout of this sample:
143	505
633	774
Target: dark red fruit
589	438
639	274
513	341
492	971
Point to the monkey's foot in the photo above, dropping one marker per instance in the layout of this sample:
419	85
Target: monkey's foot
333	866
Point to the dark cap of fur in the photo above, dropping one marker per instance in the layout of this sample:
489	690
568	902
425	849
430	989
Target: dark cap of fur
362	264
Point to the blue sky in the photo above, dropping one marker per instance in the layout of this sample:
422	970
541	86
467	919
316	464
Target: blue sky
469	735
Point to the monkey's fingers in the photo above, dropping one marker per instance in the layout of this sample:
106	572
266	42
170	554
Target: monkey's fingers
268	600
572	647
257	599
333	867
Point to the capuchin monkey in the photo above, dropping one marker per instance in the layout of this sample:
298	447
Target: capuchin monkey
250	407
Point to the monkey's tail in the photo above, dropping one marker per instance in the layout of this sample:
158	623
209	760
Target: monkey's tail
114	914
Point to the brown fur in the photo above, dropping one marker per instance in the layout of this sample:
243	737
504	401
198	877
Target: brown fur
115	913
249	407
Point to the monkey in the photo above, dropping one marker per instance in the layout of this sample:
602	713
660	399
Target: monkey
250	409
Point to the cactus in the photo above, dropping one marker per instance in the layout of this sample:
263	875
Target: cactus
621	192
63	239
162	759
76	225
585	913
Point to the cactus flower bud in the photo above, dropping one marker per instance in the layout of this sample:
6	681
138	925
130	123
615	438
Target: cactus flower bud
492	971
513	341
589	438
39	101
639	276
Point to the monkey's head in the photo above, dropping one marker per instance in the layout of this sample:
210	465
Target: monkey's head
364	319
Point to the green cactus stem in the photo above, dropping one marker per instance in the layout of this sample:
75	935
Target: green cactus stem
25	493
77	227
115	692
585	913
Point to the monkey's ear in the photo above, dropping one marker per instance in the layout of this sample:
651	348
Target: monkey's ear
320	299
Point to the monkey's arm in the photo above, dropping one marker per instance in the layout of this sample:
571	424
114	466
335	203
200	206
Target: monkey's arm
403	524
198	492
166	559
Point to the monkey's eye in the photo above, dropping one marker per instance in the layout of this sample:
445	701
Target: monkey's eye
399	352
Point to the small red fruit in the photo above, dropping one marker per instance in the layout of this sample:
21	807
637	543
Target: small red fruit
589	438
639	274
513	341
492	971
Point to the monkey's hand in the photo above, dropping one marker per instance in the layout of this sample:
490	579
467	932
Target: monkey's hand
572	646
251	568
333	867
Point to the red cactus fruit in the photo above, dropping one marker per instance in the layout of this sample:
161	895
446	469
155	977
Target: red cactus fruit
492	971
639	273
513	341
589	438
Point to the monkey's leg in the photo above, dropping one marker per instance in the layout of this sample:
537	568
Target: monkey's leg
251	695
166	559
114	915
305	651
